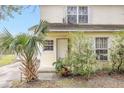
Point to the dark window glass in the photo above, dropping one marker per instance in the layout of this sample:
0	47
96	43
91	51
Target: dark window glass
48	45
72	19
102	48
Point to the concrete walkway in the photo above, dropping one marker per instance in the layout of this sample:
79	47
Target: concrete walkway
11	72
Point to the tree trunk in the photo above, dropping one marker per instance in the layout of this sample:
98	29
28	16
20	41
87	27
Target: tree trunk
30	70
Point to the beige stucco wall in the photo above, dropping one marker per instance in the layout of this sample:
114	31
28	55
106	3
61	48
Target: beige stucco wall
53	14
48	57
97	14
106	14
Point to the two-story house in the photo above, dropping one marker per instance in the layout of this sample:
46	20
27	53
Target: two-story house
97	22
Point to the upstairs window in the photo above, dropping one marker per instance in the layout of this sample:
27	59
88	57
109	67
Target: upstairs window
48	45
77	14
72	14
83	15
101	48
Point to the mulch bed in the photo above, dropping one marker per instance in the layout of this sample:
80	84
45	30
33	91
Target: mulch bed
99	80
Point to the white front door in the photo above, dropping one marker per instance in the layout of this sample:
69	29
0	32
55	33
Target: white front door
62	48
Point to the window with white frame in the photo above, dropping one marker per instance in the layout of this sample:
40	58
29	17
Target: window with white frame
72	14
83	14
77	14
48	45
101	44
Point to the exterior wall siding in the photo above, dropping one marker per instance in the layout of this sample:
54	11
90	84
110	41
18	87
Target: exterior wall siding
97	14
53	14
106	14
48	57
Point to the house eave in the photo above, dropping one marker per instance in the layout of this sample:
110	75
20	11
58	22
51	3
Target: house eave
66	30
58	27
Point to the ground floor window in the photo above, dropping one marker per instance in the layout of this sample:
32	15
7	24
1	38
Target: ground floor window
101	45
48	45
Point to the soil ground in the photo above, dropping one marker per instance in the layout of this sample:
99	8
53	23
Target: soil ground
99	80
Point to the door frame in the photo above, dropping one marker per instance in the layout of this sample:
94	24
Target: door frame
57	39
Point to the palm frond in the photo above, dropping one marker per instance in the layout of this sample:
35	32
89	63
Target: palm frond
6	39
27	47
19	43
42	28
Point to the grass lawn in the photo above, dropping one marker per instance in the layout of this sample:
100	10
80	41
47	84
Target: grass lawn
6	59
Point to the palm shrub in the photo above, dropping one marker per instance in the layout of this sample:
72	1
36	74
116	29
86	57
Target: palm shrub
62	69
82	56
117	53
26	47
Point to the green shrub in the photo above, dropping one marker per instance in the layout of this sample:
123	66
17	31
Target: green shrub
61	68
82	56
103	66
81	59
117	53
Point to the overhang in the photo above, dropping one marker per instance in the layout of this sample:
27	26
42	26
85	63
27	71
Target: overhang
85	27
